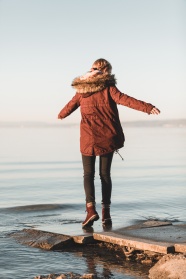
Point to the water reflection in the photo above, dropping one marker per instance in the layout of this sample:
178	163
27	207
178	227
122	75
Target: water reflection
109	264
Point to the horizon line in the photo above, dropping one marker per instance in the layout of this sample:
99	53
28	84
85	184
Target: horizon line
158	122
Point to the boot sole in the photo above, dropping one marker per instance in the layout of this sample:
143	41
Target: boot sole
107	222
90	221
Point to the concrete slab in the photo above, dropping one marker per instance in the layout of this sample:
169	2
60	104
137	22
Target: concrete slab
180	247
171	234
78	234
159	238
149	224
43	240
134	242
72	229
155	236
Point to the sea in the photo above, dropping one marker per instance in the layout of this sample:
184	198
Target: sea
41	187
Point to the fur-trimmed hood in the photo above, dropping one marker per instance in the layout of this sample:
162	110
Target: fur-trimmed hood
93	83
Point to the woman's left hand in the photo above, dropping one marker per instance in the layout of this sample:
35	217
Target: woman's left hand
155	111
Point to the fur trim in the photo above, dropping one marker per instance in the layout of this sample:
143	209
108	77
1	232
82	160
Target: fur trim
93	83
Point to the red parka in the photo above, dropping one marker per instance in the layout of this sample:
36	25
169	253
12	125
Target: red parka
100	128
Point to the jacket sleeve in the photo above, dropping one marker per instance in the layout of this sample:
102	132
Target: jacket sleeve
125	100
69	108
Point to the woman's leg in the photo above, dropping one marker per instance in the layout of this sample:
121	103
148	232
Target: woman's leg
89	173
105	176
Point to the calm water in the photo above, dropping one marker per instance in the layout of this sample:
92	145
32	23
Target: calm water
41	187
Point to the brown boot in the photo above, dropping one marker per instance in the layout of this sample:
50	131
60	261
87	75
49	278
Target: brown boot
92	215
106	218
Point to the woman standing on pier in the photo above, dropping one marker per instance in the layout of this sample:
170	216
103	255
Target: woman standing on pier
101	133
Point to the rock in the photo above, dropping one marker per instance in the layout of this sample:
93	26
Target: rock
69	275
88	276
84	239
43	240
147	261
169	267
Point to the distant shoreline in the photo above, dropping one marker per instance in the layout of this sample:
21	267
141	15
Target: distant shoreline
149	123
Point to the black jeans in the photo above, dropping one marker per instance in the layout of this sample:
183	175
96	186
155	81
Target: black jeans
105	162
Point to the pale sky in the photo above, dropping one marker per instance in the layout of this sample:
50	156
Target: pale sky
45	44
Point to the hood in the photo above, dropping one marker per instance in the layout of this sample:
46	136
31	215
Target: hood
93	83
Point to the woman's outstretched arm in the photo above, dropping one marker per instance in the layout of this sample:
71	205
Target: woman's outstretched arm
128	101
69	108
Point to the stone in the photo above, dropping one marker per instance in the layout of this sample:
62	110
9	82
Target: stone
169	267
88	276
84	239
69	275
147	261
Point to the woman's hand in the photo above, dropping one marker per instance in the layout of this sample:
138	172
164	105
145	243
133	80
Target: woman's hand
155	111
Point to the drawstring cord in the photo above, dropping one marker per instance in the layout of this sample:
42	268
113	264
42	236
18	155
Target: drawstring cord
117	152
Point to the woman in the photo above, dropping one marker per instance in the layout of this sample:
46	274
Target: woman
100	130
